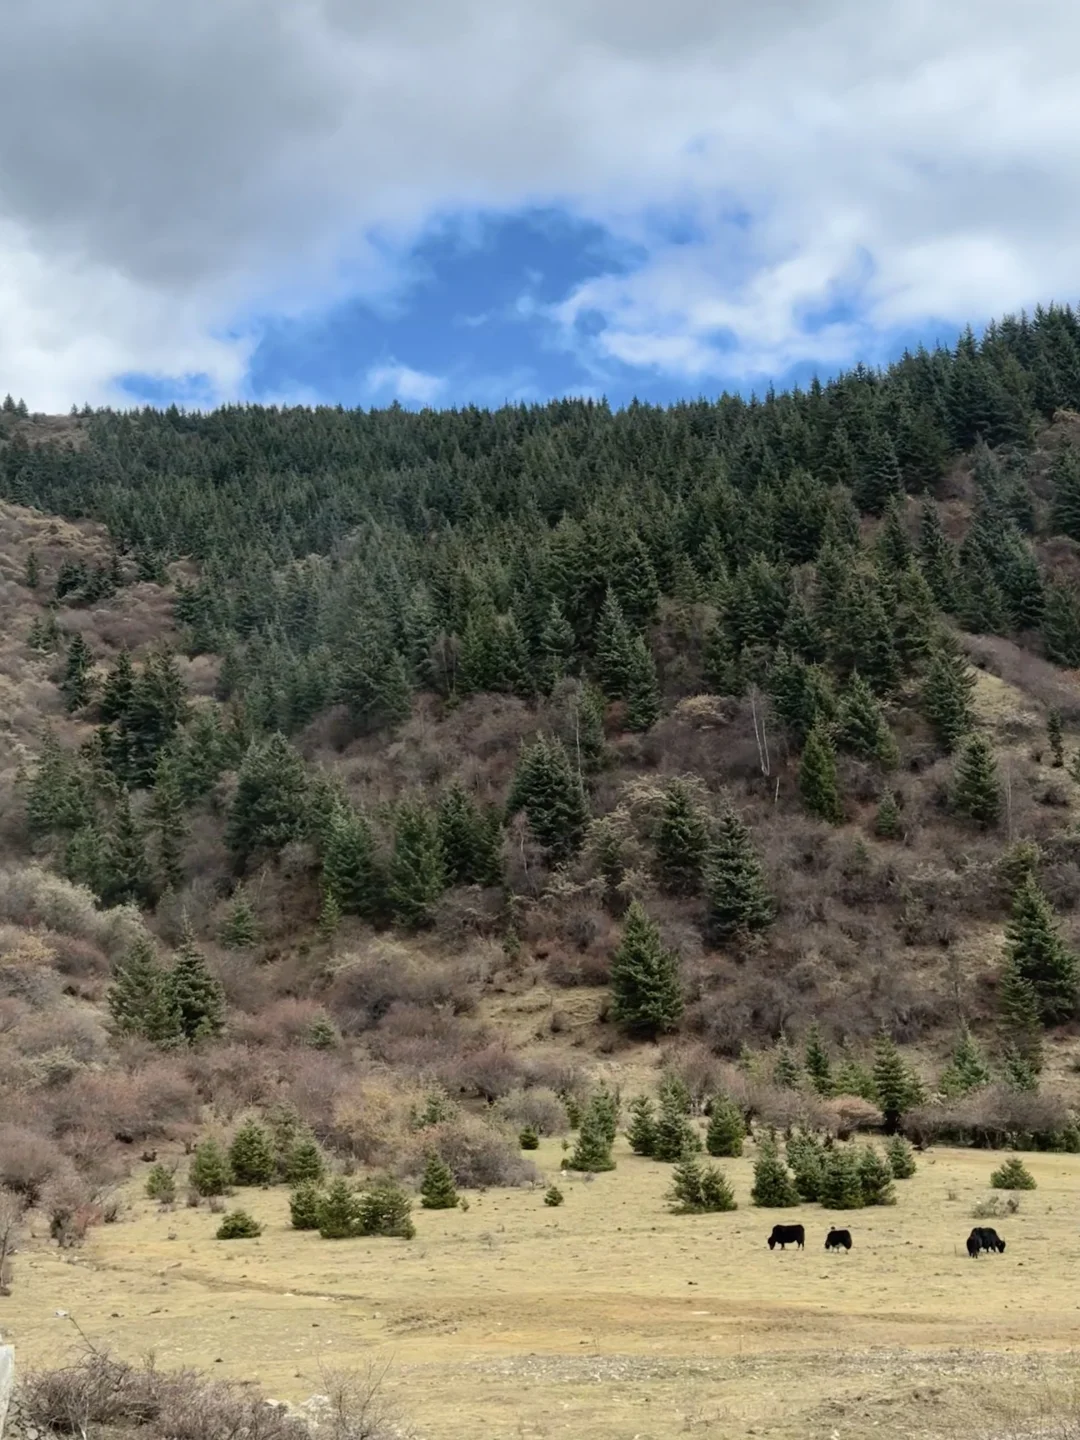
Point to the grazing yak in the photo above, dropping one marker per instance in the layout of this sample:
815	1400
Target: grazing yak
838	1240
787	1235
984	1238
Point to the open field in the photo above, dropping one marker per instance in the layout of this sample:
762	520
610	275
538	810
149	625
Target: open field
607	1317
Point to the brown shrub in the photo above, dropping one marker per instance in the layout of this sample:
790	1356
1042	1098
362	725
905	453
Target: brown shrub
387	972
540	1108
29	1162
479	1154
283	1022
488	1073
996	1118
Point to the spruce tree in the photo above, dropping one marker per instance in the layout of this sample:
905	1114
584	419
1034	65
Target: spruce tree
818	784
861	729
946	697
339	1212
118	690
437	1190
888	824
351	868
469	839
593	1149
240	930
417	875
269	808
698	1189
774	1188
210	1174
1056	738
616	662
682	842
329	921
897	1087
817	1063
806	1158
726	1131
674	1136
976	789
901	1157
1061	624
161	1185
303	1162
1021	1014
642	1130
643	688
251	1156
77	684
548	789
1013	1175
735	891
1065	479
126	874
786	1073
195	994
139	998
645	988
169	822
967	1070
1036	951
876	1178
32	571
557	645
879	480
841	1184
384	1209
304	1203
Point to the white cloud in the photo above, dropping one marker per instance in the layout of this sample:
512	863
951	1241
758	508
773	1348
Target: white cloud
394	381
159	176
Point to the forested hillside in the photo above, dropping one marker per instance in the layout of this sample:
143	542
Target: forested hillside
719	722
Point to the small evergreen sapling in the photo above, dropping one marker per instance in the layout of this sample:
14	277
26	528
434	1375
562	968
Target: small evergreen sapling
210	1173
304	1206
818	1066
251	1156
528	1139
726	1132
161	1185
682	842
321	1034
239	1225
876	1178
888	824
385	1209
806	1158
1013	1175
303	1162
642	1131
437	1190
774	1188
339	1212
976	789
240	931
786	1072
593	1149
698	1189
553	1196
1056	738
675	1137
967	1070
818	784
898	1088
841	1182
605	1102
901	1157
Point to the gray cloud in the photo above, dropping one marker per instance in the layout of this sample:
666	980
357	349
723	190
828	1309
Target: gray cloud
163	167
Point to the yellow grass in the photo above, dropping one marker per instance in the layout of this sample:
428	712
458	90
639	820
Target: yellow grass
607	1317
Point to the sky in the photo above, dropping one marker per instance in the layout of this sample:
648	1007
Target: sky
447	202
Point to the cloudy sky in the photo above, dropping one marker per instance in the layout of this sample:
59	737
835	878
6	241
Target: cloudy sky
445	201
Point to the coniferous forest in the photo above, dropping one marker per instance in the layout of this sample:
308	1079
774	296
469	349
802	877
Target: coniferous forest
684	700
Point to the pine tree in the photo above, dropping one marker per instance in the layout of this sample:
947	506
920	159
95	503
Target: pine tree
674	1137
553	1196
645	988
139	998
339	1212
901	1157
384	1209
726	1131
1013	1175
643	689
817	1063
880	479
161	1185
841	1184
126	874
77	685
303	1162
735	891
1035	949
351	868
32	572
946	697
774	1188
593	1149
1056	738
528	1138
195	994
1021	1013
417	875
967	1070
329	921
557	645
166	811
806	1158
548	789
896	1086
876	1178
615	653
269	809
976	790
698	1190
642	1131
1065	479
861	727
118	690
786	1073
240	930
238	1225
818	784
888	824
321	1034
210	1173
304	1204
682	842
251	1156
437	1190
469	839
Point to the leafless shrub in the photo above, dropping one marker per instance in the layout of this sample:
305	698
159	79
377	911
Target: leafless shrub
991	1207
541	1109
477	1152
352	1407
32	896
12	1211
29	1161
996	1118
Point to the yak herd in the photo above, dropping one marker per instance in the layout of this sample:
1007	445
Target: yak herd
981	1238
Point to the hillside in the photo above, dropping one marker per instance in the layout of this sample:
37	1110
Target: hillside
384	720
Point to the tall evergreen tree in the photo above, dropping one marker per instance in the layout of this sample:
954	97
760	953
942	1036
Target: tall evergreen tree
469	839
126	874
140	998
77	683
967	1070
169	821
118	690
946	697
195	994
417	874
642	690
737	898
645	989
548	789
269	808
976	789
351	867
818	1067
896	1085
1036	951
682	842
1065	479
818	784
861	727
